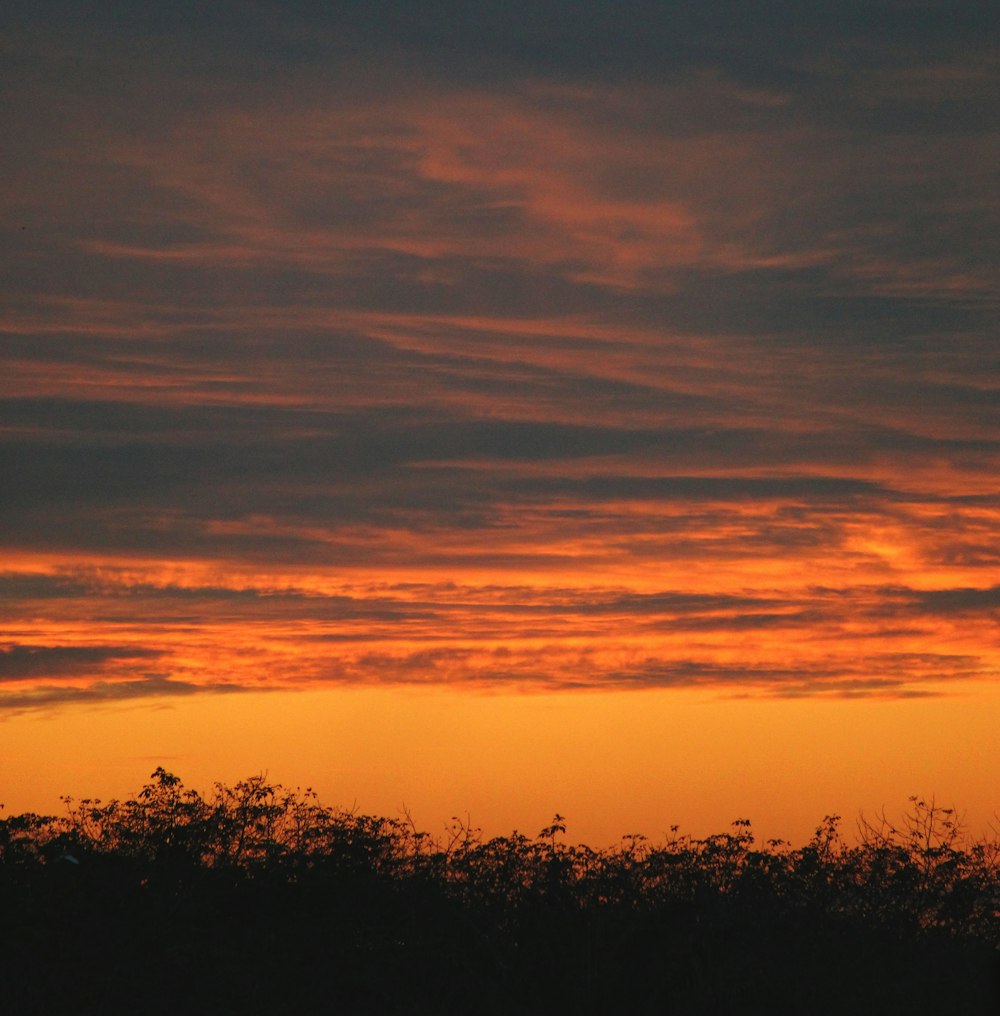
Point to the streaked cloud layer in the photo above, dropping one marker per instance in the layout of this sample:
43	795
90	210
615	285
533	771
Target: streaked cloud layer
557	345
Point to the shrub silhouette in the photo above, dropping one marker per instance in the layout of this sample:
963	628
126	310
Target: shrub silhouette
257	898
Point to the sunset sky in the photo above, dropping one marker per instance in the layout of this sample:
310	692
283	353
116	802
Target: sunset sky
501	409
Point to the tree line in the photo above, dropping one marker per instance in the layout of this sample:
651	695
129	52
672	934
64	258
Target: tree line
259	898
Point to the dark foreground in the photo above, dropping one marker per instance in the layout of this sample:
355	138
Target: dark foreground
260	900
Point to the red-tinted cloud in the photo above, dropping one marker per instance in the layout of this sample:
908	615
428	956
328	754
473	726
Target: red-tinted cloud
529	370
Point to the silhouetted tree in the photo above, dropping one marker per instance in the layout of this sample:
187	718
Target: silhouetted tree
258	898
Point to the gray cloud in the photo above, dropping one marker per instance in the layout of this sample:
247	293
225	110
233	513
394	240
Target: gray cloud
954	601
18	662
54	696
553	291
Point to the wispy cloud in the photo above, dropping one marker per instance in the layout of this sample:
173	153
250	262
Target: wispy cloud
547	351
43	696
18	662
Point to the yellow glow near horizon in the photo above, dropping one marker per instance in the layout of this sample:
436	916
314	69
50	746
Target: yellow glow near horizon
613	763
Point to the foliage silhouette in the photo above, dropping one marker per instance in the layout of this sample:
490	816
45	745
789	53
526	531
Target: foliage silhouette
258	898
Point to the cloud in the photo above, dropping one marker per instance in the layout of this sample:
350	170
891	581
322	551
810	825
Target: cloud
18	662
54	696
955	601
832	641
550	346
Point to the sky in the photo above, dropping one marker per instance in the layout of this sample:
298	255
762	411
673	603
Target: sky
509	407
